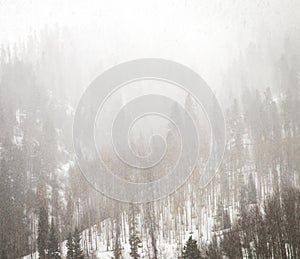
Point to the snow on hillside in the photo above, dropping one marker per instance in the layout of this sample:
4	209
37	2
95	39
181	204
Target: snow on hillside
97	243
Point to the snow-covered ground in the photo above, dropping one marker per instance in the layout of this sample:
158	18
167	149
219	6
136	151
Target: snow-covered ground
97	243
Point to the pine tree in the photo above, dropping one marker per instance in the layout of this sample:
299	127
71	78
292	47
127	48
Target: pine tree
43	230
213	249
117	248
219	215
5	205
190	250
70	246
134	240
53	245
135	243
117	251
251	190
231	243
243	198
78	253
226	220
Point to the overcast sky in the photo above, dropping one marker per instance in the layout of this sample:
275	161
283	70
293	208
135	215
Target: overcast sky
203	34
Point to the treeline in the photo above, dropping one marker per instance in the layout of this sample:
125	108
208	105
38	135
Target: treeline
37	169
28	156
270	230
35	144
48	244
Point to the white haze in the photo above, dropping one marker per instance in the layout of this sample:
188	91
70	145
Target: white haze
208	36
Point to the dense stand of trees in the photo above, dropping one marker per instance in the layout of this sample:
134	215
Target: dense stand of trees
250	209
270	230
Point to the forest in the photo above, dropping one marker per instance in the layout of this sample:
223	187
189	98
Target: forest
251	208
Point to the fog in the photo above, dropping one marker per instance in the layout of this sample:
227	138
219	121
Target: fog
149	129
211	37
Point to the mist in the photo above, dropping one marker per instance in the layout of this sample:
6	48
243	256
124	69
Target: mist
149	129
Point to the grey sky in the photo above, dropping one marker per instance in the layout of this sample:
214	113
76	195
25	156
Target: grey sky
205	35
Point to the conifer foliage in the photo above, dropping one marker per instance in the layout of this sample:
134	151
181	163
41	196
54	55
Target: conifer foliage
190	250
73	246
43	230
53	244
70	246
78	253
134	240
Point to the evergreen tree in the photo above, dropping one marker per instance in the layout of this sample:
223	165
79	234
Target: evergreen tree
213	249
5	205
70	246
78	253
190	250
53	245
135	243
117	251
117	248
134	240
222	217
219	215
226	220
231	244
43	230
243	198
251	190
